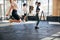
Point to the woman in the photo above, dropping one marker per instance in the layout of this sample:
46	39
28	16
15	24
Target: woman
25	12
13	8
37	13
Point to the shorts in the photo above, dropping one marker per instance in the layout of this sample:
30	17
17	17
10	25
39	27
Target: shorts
15	15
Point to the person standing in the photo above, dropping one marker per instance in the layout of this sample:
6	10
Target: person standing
24	9
37	14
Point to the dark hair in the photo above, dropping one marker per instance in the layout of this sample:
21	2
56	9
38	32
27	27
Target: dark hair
39	2
10	1
24	4
36	2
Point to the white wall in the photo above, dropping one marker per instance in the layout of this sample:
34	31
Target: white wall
1	1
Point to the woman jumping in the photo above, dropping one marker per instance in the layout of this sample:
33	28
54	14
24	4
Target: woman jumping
13	8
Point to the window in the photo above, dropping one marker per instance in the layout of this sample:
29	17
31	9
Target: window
20	5
46	6
1	8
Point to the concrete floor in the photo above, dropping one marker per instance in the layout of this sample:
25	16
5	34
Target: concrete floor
26	31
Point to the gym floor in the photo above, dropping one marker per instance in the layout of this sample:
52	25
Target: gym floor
27	31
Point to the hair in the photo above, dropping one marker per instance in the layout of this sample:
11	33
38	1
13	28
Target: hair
24	4
39	2
36	2
10	1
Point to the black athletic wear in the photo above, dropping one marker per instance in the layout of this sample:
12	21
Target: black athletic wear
37	10
15	15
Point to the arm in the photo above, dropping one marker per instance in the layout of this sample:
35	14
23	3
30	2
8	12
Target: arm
8	11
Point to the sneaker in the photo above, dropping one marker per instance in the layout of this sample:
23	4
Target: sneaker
36	27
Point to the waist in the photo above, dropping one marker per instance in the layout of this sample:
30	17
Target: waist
14	10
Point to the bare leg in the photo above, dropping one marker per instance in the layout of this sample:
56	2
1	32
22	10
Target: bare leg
10	22
25	18
36	27
14	21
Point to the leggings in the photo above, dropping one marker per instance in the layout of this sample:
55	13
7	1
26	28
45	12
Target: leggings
37	17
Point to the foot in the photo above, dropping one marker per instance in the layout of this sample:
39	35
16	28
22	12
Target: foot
18	21
24	21
10	21
36	27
